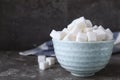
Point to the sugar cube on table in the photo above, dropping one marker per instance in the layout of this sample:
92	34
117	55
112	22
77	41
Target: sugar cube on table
50	60
81	37
41	58
43	65
109	34
91	36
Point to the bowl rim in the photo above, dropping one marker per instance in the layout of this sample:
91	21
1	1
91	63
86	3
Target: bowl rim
83	42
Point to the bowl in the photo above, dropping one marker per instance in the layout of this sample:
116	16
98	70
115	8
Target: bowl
83	58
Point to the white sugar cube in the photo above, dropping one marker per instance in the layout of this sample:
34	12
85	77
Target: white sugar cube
78	23
57	34
101	27
69	37
109	34
65	30
41	58
43	65
91	36
50	60
88	22
87	29
70	26
75	30
101	34
81	23
63	34
81	37
95	27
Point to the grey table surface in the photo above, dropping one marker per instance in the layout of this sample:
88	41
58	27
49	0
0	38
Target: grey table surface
16	67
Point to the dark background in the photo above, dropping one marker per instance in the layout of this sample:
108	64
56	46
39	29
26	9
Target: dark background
25	24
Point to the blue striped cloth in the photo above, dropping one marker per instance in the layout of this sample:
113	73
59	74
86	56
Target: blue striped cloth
48	50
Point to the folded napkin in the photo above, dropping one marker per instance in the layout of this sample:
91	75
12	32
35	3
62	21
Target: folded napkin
47	47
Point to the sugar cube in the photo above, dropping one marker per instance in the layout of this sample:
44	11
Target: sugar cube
101	34
78	24
109	34
81	37
63	34
65	31
57	34
69	37
95	27
43	65
81	23
50	60
91	36
41	58
87	29
88	22
75	30
101	27
70	26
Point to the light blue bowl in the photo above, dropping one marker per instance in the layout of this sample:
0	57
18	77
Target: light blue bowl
83	58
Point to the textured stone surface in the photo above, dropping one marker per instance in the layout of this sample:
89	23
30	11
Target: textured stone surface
16	67
25	24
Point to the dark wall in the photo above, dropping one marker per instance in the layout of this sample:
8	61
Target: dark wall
25	24
101	12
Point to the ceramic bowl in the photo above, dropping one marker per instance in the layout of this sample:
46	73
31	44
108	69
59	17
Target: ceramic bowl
83	58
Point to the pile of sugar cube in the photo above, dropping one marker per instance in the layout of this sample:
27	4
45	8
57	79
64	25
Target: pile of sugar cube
82	30
45	62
